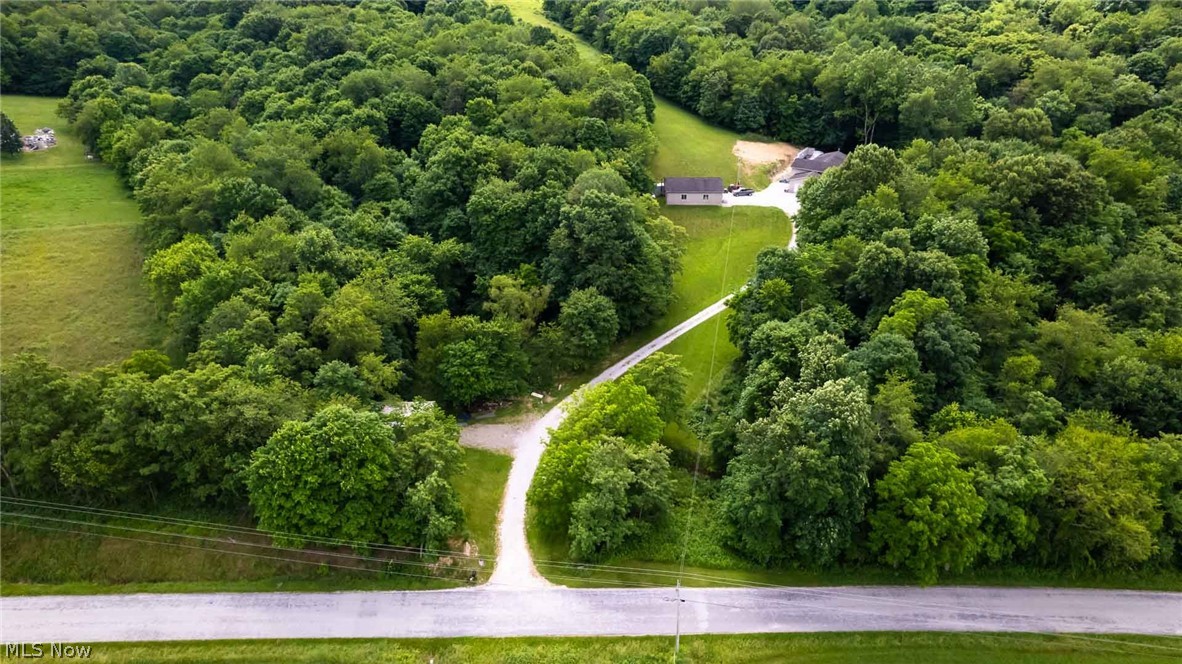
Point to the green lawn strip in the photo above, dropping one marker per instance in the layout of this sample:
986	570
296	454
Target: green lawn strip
32	113
481	486
689	146
39	562
530	12
709	271
37	198
69	259
825	648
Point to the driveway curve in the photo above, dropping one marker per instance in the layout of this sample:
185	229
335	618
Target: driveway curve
515	566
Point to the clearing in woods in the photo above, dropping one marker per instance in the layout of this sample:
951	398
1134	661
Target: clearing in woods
687	145
69	259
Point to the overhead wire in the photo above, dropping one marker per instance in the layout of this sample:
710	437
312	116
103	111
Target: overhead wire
763	602
565	565
332	565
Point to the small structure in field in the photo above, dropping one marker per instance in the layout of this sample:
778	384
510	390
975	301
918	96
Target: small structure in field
42	139
811	162
691	191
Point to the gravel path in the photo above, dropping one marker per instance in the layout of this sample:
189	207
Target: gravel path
515	566
501	437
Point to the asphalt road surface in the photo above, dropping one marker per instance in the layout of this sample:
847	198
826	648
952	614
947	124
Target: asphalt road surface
491	611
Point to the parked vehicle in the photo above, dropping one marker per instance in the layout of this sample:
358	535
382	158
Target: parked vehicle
744	192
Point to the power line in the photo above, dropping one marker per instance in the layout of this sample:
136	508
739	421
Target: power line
763	602
566	565
698	454
216	541
214	549
24	502
238	553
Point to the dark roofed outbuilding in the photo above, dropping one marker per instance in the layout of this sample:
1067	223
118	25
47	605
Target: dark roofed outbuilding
693	185
693	191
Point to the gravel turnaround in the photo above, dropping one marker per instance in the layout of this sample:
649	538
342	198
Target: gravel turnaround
499	611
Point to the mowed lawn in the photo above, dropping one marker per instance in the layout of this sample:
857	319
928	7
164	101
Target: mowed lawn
148	555
836	648
481	485
70	264
719	259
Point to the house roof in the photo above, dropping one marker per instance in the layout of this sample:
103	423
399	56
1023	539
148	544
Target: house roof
810	159
693	186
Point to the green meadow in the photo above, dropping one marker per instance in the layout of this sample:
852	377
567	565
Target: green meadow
69	259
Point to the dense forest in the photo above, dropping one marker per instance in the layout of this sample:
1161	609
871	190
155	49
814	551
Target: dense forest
344	204
888	71
974	358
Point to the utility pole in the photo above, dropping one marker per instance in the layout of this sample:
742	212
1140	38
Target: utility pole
677	638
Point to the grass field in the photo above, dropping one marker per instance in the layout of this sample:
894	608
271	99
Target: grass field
690	146
835	648
69	259
38	562
719	259
481	486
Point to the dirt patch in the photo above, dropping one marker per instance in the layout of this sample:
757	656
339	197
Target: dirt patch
772	157
496	436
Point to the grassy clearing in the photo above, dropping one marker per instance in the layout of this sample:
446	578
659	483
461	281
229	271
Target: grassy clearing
481	485
706	353
51	562
712	267
69	259
530	12
690	146
835	648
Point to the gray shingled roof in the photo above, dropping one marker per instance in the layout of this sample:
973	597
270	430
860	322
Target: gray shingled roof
819	161
693	186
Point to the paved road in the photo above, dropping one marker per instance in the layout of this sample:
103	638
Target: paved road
515	567
487	611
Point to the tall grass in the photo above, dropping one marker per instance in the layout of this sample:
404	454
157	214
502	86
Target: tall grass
69	259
